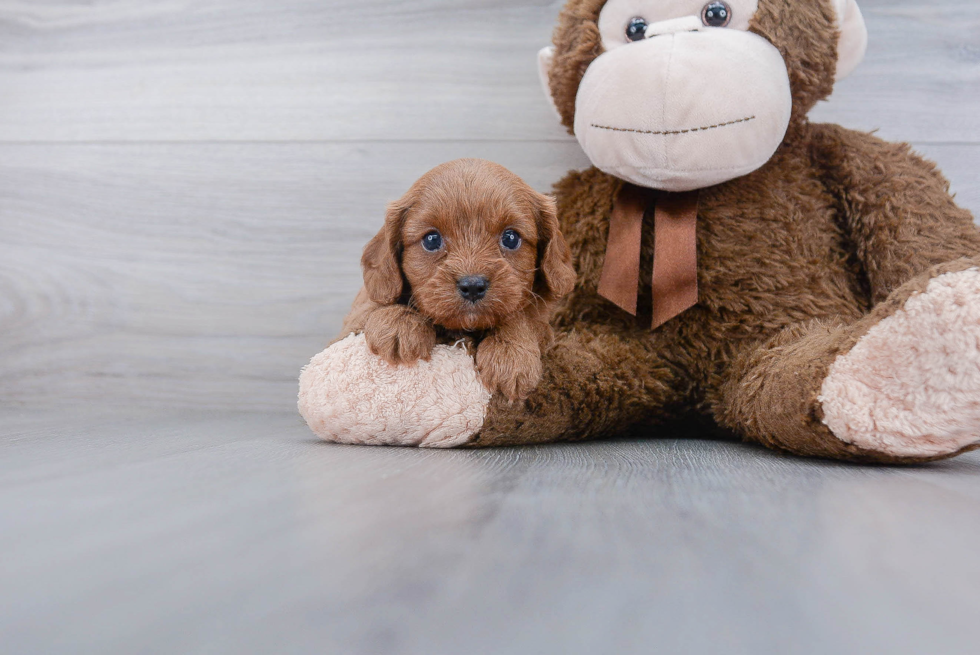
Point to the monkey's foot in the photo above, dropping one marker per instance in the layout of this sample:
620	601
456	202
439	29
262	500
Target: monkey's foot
910	387
349	395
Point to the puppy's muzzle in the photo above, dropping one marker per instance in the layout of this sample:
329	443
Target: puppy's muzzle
473	287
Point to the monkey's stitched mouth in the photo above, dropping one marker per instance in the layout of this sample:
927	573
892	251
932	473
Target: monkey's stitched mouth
672	132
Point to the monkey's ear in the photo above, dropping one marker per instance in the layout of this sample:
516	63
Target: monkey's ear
381	261
545	58
853	41
556	275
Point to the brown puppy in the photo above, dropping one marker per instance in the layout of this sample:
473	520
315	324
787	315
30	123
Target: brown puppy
470	252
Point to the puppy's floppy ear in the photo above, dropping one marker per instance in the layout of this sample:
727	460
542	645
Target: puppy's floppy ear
556	275
381	261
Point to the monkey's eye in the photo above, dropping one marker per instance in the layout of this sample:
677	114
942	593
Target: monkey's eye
510	240
637	29
432	241
716	14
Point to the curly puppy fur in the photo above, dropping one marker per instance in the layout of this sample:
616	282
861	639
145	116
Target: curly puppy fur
797	261
411	297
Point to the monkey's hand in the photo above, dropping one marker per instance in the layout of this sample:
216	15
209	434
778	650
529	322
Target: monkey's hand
399	335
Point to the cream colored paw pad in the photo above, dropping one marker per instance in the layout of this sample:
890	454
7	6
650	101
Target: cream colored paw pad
349	395
911	386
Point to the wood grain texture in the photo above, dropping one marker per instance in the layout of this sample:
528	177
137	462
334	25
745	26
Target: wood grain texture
303	70
195	275
217	533
208	275
185	187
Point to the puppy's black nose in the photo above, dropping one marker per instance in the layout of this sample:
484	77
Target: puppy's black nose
473	287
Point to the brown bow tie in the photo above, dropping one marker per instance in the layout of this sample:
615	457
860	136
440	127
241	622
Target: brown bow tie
675	257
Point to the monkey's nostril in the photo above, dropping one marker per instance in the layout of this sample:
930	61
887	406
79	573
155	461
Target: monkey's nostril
473	287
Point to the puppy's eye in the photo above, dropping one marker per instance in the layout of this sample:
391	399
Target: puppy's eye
432	241
510	240
716	14
637	29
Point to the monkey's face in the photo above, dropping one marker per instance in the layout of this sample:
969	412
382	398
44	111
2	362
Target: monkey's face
683	95
677	104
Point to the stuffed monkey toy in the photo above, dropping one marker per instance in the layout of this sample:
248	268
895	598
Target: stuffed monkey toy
802	286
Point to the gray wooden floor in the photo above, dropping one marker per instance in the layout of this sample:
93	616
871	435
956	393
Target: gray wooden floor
185	188
204	532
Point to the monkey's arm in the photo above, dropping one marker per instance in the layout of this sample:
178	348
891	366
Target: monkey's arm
596	383
895	206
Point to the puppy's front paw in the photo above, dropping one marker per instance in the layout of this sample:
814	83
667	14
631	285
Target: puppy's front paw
399	335
509	368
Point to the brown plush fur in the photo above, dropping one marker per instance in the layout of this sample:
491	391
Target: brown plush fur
410	297
796	261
